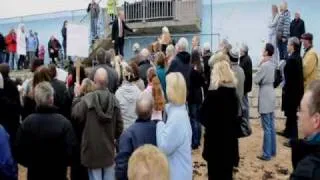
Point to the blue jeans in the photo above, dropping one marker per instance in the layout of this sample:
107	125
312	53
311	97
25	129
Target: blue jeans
106	173
2	57
245	108
283	49
195	125
269	138
94	28
13	61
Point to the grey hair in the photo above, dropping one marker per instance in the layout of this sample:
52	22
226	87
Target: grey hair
170	50
244	48
136	48
144	54
43	94
144	106
183	44
206	46
295	42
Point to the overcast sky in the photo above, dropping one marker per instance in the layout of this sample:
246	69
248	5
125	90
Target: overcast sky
14	8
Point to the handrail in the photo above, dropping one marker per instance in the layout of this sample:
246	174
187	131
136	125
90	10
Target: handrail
85	16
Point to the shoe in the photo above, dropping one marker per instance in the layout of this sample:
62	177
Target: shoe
262	158
283	134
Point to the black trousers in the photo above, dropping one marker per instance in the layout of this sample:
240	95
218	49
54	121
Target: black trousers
291	129
22	62
118	46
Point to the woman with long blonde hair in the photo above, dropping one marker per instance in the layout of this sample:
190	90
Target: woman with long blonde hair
218	115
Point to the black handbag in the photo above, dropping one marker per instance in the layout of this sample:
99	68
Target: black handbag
243	124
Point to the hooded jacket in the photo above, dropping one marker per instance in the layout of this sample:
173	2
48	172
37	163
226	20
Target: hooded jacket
100	112
181	63
127	96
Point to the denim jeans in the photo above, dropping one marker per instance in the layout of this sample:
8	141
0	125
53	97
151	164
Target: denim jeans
94	28
283	51
2	57
269	138
195	125
13	61
245	108
106	173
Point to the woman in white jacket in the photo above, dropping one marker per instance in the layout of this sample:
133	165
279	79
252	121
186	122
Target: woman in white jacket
273	33
21	46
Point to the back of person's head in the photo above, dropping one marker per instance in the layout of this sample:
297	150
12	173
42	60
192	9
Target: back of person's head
165	30
103	56
4	70
144	54
244	49
196	60
52	70
43	94
135	70
222	75
156	47
284	5
196	41
176	88
157	94
87	86
144	106
206	47
148	163
269	49
151	73
160	59
41	75
117	65
220	56
101	78
128	74
234	55
136	48
36	63
170	50
74	74
182	45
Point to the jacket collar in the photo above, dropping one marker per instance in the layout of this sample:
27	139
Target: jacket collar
144	62
44	109
139	120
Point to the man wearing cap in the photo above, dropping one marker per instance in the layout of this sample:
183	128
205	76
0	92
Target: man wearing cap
310	60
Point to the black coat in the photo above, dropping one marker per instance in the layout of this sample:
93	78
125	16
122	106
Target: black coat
181	63
246	64
59	95
218	115
55	46
115	30
10	108
293	88
45	143
305	160
197	82
207	71
297	28
2	43
64	36
143	68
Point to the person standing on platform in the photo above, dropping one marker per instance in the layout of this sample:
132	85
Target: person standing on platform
64	37
94	11
112	9
273	32
54	47
118	33
21	46
297	27
11	41
283	30
38	43
2	48
31	48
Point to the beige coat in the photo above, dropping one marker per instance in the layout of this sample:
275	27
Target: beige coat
310	67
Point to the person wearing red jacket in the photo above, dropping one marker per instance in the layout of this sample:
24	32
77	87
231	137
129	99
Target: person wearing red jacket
11	41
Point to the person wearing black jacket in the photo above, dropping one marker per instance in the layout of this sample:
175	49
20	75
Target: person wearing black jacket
10	106
181	63
306	152
297	27
195	97
293	88
45	141
118	33
207	70
246	64
2	48
64	37
54	47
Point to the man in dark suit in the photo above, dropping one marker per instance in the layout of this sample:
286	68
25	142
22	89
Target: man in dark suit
297	27
118	34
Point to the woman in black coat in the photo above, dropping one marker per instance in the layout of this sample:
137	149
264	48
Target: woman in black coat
293	88
54	47
219	116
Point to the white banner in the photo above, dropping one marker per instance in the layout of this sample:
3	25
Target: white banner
77	40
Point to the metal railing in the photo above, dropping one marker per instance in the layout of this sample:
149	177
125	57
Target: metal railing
153	10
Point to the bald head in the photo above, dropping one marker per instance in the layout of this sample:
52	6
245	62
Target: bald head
144	106
101	78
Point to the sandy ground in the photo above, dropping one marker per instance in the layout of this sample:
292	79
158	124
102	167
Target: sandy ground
250	168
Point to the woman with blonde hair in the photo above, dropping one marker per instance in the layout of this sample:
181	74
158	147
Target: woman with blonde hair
174	135
165	39
218	115
170	53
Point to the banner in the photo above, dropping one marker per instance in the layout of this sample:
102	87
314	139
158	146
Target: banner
77	40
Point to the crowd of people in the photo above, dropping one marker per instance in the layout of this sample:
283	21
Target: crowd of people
141	119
